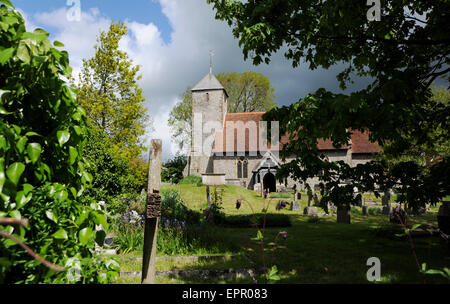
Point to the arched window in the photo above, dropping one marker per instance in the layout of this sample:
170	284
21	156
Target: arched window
239	169
207	97
245	169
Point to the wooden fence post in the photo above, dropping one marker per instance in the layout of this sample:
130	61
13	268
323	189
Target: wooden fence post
153	212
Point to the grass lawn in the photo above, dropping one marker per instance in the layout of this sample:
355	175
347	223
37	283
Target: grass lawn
320	252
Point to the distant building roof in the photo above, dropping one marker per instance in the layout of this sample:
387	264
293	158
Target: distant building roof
209	82
360	141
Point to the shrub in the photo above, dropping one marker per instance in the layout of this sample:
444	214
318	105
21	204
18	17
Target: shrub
42	169
130	232
172	207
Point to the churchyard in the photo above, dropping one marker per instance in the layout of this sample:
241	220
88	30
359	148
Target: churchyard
316	249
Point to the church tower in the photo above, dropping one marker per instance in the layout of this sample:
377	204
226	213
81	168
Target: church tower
209	107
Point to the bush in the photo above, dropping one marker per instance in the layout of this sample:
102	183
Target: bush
172	207
42	169
172	170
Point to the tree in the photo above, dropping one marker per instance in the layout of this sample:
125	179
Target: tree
109	92
172	170
42	169
402	55
247	92
180	120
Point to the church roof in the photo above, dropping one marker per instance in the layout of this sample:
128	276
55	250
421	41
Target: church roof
209	82
360	141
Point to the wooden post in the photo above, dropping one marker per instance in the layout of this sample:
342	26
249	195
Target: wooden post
153	213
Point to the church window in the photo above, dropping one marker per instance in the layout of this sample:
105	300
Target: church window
245	169
239	169
207	97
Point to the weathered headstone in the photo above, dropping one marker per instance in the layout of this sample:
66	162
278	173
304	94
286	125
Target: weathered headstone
295	206
365	210
310	211
153	212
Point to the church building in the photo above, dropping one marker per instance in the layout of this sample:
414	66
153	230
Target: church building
233	144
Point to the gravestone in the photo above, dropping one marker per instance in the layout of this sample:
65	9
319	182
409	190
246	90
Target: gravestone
295	206
365	210
310	211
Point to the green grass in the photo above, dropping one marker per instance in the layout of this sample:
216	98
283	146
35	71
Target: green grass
315	251
326	252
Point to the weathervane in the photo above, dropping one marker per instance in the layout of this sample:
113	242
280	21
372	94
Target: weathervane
211	54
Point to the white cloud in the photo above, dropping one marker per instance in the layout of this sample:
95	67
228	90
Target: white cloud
168	68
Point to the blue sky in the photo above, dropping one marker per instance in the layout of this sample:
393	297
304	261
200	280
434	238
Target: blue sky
138	10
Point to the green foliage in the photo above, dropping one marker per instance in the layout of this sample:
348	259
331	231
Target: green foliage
42	169
111	96
172	170
196	239
139	169
172	207
248	92
402	58
111	173
180	121
129	239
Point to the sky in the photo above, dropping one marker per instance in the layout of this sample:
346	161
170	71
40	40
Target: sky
171	41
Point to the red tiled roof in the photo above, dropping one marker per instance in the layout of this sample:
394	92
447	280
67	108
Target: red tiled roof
360	141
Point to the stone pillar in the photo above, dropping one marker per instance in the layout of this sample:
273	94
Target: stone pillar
151	221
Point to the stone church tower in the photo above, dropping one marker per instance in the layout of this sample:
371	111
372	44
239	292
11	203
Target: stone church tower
209	107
